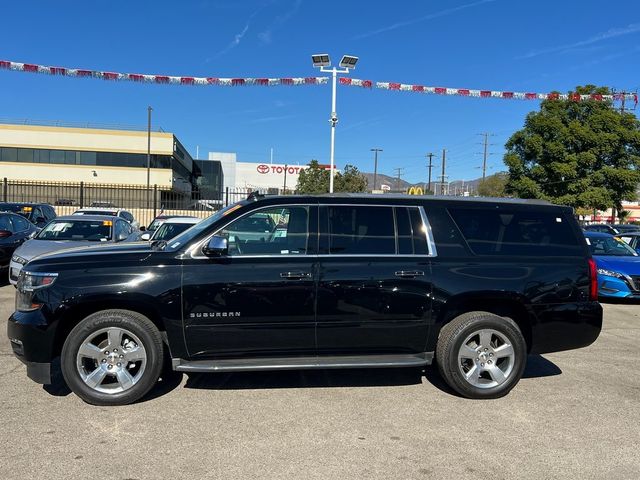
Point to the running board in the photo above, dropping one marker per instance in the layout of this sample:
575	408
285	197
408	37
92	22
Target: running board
303	363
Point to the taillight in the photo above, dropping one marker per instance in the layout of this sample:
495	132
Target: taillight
593	280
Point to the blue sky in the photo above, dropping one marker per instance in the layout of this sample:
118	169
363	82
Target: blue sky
485	44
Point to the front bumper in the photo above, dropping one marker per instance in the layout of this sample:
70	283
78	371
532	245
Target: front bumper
613	287
32	342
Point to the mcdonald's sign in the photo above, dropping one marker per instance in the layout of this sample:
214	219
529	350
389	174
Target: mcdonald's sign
415	191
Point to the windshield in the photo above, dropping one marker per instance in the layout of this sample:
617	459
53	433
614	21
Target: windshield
87	230
610	246
186	236
154	225
169	230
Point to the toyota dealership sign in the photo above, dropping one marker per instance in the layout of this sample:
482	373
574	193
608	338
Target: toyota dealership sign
265	169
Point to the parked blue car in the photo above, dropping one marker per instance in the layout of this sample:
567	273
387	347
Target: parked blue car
618	265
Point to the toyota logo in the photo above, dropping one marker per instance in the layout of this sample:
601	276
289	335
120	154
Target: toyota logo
263	168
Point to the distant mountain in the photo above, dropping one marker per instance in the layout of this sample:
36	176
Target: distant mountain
456	186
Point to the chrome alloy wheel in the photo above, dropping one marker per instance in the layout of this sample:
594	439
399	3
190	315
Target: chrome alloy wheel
111	360
486	358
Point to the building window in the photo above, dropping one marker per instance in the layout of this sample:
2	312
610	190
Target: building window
9	154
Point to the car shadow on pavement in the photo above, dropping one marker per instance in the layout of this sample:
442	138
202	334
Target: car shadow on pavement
168	381
537	366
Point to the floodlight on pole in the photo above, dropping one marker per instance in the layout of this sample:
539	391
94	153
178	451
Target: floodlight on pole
323	62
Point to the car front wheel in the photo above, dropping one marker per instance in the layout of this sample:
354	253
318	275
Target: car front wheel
112	357
481	355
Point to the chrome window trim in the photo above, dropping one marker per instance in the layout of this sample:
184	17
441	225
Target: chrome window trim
192	252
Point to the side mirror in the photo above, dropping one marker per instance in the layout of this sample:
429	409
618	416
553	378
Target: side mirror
33	234
216	247
145	237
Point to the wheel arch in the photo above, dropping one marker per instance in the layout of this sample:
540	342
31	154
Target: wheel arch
502	304
75	313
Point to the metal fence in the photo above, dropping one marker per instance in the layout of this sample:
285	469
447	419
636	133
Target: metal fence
145	204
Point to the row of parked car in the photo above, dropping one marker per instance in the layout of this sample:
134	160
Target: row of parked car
28	230
616	250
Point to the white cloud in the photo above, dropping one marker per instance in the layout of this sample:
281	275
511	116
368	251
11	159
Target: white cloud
611	33
431	16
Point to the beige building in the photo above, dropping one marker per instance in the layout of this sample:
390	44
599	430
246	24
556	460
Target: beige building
43	153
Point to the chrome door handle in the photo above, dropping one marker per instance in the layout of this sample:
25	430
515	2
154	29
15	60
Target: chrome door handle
409	273
295	275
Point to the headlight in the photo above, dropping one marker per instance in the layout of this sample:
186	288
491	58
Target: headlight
28	283
19	259
609	273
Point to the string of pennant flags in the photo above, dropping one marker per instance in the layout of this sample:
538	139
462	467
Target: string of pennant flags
467	92
295	81
161	79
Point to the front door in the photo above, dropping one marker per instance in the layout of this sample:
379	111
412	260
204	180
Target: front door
374	290
259	300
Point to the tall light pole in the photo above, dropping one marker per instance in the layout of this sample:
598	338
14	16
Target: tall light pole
375	166
323	62
148	151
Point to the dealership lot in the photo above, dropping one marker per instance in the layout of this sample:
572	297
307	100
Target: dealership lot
574	413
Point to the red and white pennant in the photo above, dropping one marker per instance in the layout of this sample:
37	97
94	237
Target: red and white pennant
467	92
162	79
232	82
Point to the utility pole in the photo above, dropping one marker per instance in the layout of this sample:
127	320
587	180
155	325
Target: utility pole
485	153
148	151
443	176
284	192
399	173
430	166
375	166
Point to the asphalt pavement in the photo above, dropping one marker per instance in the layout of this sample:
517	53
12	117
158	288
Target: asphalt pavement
575	414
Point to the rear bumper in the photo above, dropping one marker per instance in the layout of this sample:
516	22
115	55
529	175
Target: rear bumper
565	326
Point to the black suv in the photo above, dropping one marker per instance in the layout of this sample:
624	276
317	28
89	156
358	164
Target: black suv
299	282
37	213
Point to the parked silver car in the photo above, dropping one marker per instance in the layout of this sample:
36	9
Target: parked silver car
68	232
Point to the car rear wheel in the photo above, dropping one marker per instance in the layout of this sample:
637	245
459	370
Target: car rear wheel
112	357
481	355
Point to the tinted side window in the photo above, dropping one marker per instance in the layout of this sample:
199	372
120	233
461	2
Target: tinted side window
20	224
361	230
412	237
512	232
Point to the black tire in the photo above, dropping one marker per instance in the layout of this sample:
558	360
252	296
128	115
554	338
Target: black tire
132	322
450	342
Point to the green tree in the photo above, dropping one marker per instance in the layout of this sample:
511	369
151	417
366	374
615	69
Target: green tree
315	179
578	153
350	180
493	185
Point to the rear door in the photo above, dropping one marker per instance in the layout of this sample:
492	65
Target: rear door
374	290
